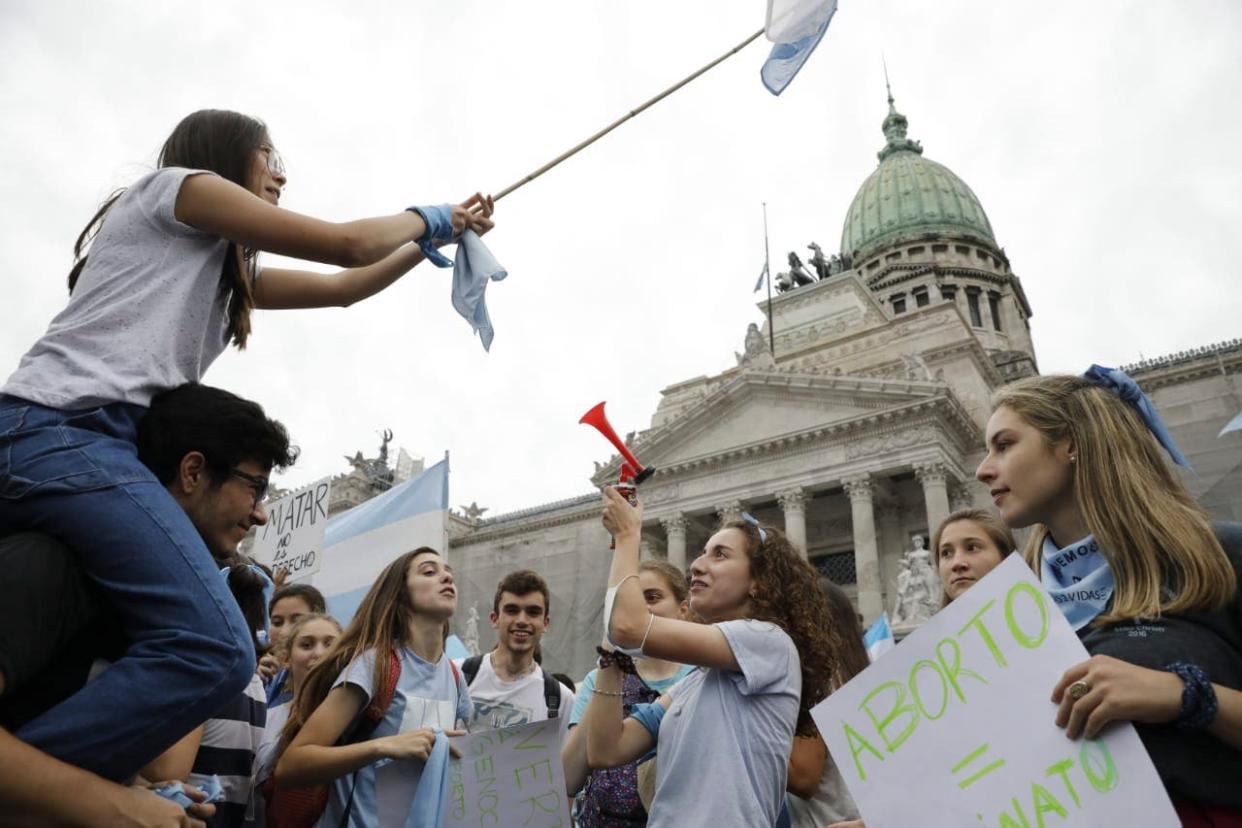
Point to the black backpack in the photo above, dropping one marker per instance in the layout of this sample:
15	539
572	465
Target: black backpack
551	687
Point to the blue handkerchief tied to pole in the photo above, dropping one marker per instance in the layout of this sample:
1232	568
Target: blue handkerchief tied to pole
427	811
1078	578
1121	384
474	268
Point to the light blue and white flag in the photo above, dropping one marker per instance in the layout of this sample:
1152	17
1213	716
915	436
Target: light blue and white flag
796	27
879	637
763	274
1233	425
361	542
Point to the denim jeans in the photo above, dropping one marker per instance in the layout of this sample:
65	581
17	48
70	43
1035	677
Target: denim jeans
76	475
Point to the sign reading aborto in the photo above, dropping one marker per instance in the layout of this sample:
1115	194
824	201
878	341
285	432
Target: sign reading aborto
956	726
293	537
511	778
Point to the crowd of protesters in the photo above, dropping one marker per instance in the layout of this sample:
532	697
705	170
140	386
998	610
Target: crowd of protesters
163	679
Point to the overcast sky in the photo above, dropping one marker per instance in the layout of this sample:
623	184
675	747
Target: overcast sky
1102	139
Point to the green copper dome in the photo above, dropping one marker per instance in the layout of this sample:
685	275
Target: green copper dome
909	196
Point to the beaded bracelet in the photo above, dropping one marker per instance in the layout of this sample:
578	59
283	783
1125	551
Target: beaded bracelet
1199	703
597	691
624	663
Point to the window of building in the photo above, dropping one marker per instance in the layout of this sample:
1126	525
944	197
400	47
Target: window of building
916	251
920	298
972	299
892	257
994	306
962	249
837	567
899	304
940	248
983	257
948	292
873	265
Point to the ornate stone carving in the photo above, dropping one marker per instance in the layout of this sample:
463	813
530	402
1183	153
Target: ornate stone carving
918	586
730	511
471	636
931	473
674	524
872	446
792	499
859	487
962	498
756	353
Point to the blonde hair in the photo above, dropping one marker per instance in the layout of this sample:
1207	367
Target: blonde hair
285	647
992	526
1159	542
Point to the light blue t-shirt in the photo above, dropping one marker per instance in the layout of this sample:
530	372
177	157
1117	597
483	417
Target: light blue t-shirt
587	687
732	731
426	696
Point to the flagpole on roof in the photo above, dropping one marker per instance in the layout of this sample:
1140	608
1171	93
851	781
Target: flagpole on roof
767	267
583	145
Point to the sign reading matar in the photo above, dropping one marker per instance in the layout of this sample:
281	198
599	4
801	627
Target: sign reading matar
956	725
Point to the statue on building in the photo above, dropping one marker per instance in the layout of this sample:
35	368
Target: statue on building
784	283
798	271
756	353
471	637
821	265
917	368
474	511
918	586
382	460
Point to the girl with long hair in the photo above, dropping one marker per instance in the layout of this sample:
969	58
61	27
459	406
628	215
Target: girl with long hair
969	544
611	796
393	648
817	792
166	275
768	654
1137	568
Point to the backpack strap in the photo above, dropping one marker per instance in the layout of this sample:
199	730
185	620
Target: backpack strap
551	694
470	668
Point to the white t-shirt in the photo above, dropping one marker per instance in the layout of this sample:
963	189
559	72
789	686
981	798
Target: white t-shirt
427	695
505	703
147	314
724	743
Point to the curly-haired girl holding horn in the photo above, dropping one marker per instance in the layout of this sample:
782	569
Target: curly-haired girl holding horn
767	653
1135	565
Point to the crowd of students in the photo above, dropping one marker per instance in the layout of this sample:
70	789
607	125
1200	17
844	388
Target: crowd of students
164	680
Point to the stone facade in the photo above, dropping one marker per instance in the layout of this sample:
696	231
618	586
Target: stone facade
860	431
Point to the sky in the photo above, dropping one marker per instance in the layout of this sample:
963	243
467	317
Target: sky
1099	137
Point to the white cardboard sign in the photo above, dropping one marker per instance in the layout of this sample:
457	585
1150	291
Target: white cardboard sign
956	725
511	777
293	536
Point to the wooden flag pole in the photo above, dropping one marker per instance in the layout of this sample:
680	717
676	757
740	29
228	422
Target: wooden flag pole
624	118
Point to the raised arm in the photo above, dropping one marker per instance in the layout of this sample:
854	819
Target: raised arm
632	625
612	739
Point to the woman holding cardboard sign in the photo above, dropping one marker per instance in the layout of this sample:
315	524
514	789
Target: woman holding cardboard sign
1135	565
768	653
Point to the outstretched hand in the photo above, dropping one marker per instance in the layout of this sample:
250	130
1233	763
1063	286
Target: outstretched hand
620	518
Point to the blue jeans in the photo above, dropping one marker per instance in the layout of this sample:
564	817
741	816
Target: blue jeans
76	475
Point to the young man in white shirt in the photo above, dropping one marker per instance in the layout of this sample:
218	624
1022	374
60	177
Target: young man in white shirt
507	685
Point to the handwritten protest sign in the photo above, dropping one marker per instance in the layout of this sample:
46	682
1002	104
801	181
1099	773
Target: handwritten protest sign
293	536
956	727
511	777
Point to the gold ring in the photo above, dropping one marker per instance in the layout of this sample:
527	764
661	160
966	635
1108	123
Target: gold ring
1079	689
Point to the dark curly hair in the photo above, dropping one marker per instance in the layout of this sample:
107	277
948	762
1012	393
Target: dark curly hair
786	593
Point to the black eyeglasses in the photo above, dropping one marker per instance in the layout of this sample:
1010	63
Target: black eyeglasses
259	485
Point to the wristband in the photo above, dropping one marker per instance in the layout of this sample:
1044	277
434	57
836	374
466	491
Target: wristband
439	221
1199	703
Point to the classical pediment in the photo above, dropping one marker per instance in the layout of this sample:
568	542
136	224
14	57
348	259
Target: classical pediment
758	407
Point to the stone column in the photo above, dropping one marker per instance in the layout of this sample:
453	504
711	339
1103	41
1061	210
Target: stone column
963	498
645	550
793	502
935	491
675	531
860	490
888	526
730	511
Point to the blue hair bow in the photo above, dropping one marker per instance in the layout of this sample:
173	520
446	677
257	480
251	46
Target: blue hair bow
751	519
1121	384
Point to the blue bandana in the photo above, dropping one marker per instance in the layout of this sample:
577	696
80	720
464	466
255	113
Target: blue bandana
1078	578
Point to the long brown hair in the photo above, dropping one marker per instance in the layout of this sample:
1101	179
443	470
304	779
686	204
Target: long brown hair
786	593
381	624
1158	541
223	142
992	526
673	577
852	657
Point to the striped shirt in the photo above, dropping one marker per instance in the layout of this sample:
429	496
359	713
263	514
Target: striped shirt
230	741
